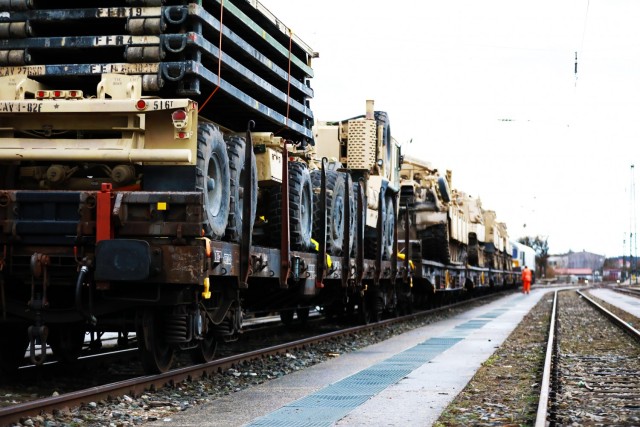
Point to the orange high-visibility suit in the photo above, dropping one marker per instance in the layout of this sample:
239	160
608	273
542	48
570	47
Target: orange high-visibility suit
526	280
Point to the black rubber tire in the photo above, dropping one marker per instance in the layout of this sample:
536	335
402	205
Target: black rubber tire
238	173
336	196
300	208
213	179
388	228
354	218
443	186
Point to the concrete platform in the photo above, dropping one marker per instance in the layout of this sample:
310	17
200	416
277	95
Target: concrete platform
405	381
627	303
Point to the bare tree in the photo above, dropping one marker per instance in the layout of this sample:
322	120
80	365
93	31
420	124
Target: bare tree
541	246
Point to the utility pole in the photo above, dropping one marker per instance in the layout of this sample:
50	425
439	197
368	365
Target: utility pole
635	233
633	237
623	276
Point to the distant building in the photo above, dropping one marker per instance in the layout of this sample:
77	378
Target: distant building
616	266
575	267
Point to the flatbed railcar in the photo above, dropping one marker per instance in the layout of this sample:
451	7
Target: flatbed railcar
131	202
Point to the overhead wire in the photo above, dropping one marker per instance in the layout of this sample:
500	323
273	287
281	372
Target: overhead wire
584	32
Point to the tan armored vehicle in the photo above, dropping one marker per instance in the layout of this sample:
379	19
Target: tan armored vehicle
497	246
472	207
365	147
436	212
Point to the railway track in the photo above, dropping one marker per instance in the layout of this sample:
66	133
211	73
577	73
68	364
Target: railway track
138	385
116	363
591	374
628	291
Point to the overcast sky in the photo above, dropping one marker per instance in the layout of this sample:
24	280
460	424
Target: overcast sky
488	90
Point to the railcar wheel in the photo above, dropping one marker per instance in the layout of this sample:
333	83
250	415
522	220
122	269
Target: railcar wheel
155	353
239	174
66	342
13	348
286	316
303	314
213	179
364	312
206	350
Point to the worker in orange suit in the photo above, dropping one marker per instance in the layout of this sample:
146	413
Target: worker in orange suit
526	280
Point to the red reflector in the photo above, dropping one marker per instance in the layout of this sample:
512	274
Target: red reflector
73	94
57	93
41	94
179	115
141	104
182	135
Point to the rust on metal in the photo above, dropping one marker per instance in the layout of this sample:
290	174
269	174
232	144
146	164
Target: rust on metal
322	238
285	256
104	231
245	242
394	241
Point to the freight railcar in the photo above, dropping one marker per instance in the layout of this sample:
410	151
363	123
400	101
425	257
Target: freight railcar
161	172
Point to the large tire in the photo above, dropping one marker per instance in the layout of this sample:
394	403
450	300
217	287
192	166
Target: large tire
213	179
300	208
371	244
336	198
388	228
239	174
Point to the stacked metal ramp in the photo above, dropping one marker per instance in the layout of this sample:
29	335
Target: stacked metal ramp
261	73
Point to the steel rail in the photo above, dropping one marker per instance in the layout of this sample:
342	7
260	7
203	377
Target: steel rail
628	291
137	386
545	387
626	327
